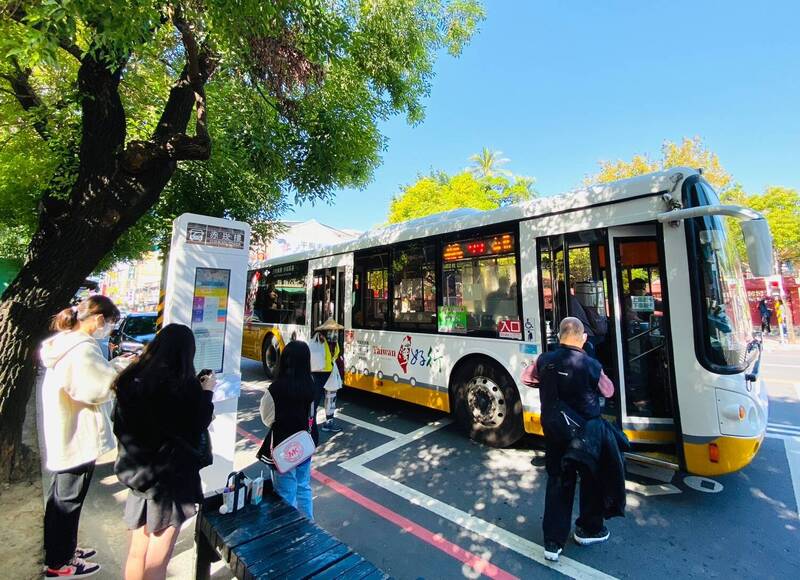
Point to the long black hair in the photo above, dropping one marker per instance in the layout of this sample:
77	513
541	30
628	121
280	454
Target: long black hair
294	371
168	359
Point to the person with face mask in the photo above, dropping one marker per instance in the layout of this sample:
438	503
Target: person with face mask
76	425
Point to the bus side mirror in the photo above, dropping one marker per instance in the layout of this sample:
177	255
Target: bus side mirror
758	241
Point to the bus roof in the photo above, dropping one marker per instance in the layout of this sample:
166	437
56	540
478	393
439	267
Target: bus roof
467	218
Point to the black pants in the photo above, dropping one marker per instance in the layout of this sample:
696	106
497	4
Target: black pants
63	512
320	378
765	324
560	496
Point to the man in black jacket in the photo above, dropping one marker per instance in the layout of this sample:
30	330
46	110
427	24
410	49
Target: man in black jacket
570	385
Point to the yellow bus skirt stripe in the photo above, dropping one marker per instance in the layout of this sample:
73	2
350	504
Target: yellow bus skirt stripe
420	395
734	454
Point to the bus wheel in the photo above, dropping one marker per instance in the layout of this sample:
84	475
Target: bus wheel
486	403
270	354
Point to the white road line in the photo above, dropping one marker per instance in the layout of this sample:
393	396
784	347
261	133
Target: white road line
478	526
770	435
769	365
365	425
785	429
390	446
461	518
792	445
651	490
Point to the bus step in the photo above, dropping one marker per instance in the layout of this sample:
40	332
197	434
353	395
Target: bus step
654	472
654	459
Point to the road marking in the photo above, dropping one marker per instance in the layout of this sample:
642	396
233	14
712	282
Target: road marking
476	525
767	379
490	531
480	565
397	443
792	446
783	429
370	426
770	435
769	365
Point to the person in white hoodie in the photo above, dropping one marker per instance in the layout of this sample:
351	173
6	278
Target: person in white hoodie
77	429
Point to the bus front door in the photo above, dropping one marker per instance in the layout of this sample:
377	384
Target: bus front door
643	342
328	296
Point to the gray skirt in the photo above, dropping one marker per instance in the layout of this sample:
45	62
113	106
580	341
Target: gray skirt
156	514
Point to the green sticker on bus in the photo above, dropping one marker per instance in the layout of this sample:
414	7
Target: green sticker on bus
452	319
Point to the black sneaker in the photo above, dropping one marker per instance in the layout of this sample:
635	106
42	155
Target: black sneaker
330	428
77	568
585	539
552	550
85	553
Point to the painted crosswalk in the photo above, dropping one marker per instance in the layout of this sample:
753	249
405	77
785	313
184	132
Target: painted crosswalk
783	429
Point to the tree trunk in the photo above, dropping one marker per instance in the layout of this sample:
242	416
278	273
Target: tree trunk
64	251
116	184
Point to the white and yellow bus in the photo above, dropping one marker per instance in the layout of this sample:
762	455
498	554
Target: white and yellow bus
447	310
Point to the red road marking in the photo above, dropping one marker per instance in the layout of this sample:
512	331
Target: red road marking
436	540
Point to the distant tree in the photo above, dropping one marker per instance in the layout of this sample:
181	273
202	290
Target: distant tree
488	163
781	207
439	192
687	153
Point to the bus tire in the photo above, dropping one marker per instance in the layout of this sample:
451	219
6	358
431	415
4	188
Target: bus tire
270	355
486	402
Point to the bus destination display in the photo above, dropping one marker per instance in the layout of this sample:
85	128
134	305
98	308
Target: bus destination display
488	246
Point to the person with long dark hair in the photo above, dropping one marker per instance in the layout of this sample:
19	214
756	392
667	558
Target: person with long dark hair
287	407
76	388
161	417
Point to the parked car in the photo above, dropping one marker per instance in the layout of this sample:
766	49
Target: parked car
133	333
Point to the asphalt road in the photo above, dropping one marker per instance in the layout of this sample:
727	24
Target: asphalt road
407	490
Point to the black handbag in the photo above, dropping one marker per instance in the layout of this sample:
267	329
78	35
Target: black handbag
202	455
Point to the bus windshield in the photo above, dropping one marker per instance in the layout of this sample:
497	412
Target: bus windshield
725	320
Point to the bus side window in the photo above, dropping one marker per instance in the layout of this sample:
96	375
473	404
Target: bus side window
479	278
372	276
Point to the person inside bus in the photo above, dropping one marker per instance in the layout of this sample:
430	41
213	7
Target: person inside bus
596	326
500	302
570	385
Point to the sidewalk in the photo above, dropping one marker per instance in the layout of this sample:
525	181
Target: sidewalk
773	344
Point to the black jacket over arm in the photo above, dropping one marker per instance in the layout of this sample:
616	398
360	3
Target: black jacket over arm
147	419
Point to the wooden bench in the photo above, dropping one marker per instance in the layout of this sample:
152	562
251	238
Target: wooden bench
273	540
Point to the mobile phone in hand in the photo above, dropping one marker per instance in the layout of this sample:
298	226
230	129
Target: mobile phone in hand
204	373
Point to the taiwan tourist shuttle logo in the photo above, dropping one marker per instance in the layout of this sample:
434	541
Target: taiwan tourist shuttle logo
404	354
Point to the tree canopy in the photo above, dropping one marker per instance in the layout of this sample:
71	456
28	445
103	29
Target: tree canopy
294	95
780	205
687	153
440	192
118	115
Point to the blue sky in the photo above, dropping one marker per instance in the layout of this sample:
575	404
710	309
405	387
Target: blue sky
558	86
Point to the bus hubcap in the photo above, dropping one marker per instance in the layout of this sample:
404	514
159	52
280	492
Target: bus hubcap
485	401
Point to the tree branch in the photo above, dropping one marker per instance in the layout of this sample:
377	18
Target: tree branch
187	95
18	14
26	96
